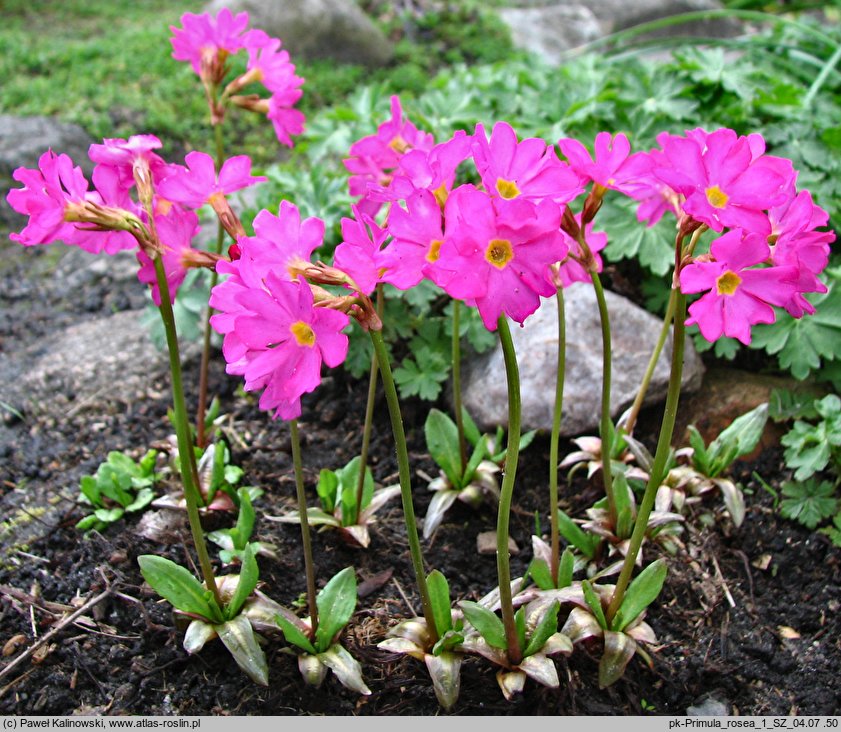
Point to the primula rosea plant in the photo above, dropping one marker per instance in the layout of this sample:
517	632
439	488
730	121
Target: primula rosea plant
496	223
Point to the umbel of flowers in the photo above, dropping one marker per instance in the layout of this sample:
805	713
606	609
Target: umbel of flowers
747	242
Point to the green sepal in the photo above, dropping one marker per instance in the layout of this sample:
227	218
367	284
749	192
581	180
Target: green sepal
487	623
177	586
294	635
249	575
545	629
642	591
594	603
336	603
439	597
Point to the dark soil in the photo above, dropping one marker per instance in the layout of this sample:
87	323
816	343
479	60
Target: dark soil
748	617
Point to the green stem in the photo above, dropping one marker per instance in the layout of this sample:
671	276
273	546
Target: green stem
182	431
456	358
661	457
369	416
405	480
652	364
512	375
309	566
555	540
606	424
214	278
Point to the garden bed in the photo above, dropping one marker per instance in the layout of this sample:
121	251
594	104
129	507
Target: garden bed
747	617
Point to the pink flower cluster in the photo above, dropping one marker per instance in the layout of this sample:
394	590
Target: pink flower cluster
61	206
274	334
207	42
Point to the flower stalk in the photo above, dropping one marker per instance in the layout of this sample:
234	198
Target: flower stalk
512	374
405	480
456	366
182	430
306	540
555	438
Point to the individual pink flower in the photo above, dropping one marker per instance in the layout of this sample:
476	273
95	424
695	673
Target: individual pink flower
726	180
528	168
612	166
496	252
175	231
737	296
433	170
280	340
374	158
270	66
569	270
204	38
279	242
198	184
358	254
285	120
130	158
418	235
796	242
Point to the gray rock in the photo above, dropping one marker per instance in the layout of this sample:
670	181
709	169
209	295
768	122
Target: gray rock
709	707
312	29
23	140
634	333
550	31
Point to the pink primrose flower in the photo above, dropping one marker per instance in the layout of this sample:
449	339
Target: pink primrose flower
205	39
612	166
128	156
358	254
279	242
175	231
198	184
796	242
415	248
569	270
737	296
285	120
374	158
727	180
271	66
529	168
496	252
280	341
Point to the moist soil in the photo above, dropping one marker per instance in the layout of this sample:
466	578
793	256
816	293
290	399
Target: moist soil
748	618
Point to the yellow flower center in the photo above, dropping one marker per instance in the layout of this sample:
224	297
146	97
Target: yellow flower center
728	283
507	188
399	145
303	334
499	253
434	251
717	197
441	194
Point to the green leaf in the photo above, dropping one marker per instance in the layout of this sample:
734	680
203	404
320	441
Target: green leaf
336	603
471	431
109	515
740	438
442	442
439	596
478	454
594	603
249	575
348	486
700	458
327	488
642	591
575	535
245	520
414	380
488	625
520	625
566	568
834	531
545	629
809	502
294	635
238	637
143	498
177	585
785	405
541	574
88	522
90	490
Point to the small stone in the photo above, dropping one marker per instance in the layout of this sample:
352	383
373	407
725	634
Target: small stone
486	543
709	707
11	646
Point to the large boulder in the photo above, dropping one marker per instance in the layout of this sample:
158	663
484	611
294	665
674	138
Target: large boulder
314	29
634	333
23	140
550	31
